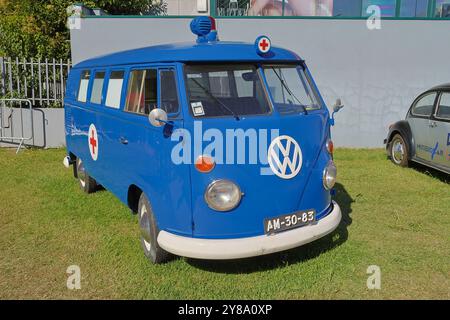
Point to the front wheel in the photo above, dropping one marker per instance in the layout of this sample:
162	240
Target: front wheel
398	151
87	183
149	233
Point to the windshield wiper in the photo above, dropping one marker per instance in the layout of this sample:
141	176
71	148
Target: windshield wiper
223	105
289	91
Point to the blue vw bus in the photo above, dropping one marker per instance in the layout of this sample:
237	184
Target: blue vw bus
223	149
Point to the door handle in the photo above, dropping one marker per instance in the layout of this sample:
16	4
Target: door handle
123	140
433	124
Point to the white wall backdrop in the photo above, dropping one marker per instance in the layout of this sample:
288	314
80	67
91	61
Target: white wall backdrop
377	73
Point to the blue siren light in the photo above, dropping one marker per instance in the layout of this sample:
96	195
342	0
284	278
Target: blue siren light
205	28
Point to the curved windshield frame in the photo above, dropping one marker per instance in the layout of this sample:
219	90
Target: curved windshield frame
291	89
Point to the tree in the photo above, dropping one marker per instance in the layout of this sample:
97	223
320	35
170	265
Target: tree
37	28
130	7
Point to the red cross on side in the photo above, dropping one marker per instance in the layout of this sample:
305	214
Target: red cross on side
93	142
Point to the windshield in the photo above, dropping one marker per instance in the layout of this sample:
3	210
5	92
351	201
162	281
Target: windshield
225	90
291	89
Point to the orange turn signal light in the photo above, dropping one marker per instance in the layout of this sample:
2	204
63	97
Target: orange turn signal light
330	146
204	164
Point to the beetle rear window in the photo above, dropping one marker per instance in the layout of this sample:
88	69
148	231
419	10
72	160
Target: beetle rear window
225	90
443	111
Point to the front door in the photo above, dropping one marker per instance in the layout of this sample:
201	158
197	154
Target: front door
420	123
147	150
440	131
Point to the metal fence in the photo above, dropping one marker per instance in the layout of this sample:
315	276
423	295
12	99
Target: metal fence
40	81
232	8
11	109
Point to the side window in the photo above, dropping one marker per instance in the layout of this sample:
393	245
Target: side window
443	111
169	94
114	91
424	107
142	94
97	87
83	88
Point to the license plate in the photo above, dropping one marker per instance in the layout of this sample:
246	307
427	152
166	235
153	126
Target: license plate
289	221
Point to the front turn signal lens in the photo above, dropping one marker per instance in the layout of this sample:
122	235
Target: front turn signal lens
205	164
330	146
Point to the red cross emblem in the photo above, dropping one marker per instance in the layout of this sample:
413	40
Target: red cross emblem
264	44
93	142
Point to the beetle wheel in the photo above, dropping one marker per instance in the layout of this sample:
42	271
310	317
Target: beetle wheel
399	151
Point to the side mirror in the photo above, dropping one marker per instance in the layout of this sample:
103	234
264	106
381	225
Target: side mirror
157	117
337	105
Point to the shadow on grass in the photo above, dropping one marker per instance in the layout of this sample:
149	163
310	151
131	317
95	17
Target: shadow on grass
443	177
293	256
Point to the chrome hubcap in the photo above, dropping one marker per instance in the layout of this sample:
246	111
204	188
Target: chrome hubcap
144	225
398	151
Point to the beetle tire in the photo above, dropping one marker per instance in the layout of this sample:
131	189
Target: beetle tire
87	183
397	138
149	233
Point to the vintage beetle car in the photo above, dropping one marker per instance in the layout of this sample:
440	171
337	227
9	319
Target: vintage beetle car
424	136
206	208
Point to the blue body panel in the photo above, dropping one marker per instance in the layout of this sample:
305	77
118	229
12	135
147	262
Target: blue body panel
176	192
265	196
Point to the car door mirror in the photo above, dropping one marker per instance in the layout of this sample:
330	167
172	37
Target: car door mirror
337	105
157	117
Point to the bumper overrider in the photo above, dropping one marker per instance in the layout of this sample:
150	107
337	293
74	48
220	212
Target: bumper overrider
223	249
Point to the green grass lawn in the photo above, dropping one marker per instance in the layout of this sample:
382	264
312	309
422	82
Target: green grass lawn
398	219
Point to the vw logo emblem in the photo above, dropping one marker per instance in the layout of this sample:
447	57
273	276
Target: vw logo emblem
285	157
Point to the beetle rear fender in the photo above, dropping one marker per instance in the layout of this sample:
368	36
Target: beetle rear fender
402	127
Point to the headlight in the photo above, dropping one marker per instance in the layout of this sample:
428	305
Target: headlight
223	195
329	175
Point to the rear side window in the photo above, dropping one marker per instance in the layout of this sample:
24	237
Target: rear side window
424	107
83	88
142	96
114	91
97	87
169	94
443	111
